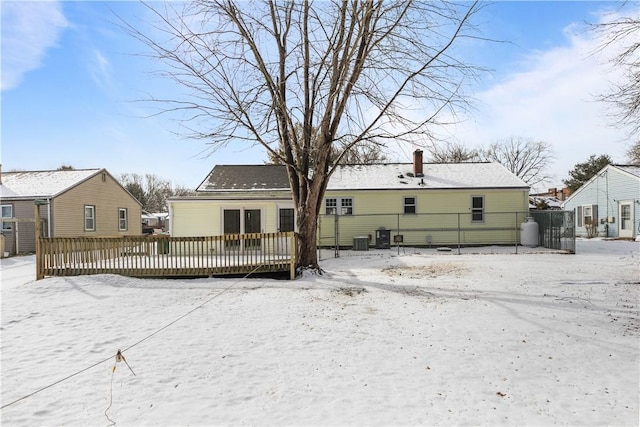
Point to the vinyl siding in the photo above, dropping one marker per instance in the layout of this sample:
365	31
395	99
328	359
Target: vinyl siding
606	190
432	201
204	217
373	210
103	192
21	238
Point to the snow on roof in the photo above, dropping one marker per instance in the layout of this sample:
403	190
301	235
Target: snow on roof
551	202
633	170
398	176
42	183
6	192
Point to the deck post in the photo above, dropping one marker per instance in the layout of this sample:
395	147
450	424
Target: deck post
293	244
39	254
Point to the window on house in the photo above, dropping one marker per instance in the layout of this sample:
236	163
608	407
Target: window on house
346	206
409	205
7	212
339	205
287	220
89	218
587	215
477	208
331	206
122	219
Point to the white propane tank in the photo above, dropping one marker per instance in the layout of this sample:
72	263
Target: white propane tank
529	232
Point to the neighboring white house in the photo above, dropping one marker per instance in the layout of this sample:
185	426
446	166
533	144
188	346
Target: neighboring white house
608	205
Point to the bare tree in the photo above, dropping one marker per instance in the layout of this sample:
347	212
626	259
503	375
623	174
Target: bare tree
452	153
633	154
356	71
527	159
151	191
622	34
364	154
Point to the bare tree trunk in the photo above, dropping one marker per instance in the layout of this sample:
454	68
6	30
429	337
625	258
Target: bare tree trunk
307	233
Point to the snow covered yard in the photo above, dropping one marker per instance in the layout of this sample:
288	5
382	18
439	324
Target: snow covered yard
420	338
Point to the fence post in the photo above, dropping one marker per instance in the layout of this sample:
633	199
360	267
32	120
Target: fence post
515	234
398	233
336	233
458	233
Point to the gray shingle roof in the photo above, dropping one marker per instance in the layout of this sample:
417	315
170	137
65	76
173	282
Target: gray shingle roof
246	178
393	176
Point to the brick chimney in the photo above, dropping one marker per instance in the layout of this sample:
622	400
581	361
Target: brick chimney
417	163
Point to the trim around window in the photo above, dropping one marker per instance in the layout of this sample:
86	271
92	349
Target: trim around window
409	204
477	209
7	212
587	215
338	205
123	222
89	218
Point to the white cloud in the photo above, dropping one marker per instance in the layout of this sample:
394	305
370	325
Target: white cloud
28	30
100	69
552	98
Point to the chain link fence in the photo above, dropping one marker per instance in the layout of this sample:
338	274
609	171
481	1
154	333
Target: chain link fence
555	230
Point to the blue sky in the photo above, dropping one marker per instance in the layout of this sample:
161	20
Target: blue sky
70	76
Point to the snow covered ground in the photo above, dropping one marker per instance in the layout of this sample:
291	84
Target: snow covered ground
420	338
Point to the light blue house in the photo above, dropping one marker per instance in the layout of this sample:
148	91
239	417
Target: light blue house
608	205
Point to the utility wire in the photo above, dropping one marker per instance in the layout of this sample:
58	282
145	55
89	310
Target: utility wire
134	344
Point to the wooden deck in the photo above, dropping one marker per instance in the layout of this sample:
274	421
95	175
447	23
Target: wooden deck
164	256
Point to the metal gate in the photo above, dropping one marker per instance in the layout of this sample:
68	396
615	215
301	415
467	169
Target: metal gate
556	229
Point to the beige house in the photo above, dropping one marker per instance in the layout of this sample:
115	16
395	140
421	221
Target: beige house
421	203
79	202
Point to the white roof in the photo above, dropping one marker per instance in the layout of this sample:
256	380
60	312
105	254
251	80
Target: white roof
552	202
398	176
42	183
633	170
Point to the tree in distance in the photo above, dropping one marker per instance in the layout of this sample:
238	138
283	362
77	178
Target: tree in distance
583	172
151	190
526	158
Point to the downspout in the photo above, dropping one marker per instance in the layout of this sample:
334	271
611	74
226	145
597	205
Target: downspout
606	222
49	217
170	218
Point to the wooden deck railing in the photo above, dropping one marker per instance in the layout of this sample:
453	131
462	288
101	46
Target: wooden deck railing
164	256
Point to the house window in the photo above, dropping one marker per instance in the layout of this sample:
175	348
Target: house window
342	206
330	206
409	205
89	218
287	220
346	206
7	212
587	215
122	219
477	208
